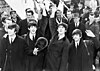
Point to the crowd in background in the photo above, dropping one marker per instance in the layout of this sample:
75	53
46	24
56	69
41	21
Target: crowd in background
58	28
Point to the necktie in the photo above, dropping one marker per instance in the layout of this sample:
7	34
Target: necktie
76	25
11	40
76	44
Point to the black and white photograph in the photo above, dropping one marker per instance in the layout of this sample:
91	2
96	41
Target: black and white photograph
49	35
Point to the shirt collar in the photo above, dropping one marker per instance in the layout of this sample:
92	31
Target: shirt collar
77	24
12	38
61	36
31	36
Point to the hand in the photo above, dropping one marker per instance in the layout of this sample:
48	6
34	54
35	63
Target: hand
93	67
35	51
0	69
90	33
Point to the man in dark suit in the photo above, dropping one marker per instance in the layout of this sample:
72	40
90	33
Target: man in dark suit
23	24
12	50
80	56
15	18
34	58
69	15
76	25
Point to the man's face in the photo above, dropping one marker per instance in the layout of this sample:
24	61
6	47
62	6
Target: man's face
13	15
29	15
76	37
80	6
5	14
58	14
85	10
11	31
76	19
71	6
32	29
61	29
69	14
91	17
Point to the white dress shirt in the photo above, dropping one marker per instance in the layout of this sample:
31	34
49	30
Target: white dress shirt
77	44
76	24
31	36
12	38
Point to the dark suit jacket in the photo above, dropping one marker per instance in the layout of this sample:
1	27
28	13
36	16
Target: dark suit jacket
42	23
12	55
72	27
23	24
33	62
56	57
80	58
18	20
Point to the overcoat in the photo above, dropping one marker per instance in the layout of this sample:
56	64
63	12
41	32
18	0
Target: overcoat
12	55
55	54
33	62
80	58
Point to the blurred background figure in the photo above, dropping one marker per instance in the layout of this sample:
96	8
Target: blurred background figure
3	23
15	18
23	24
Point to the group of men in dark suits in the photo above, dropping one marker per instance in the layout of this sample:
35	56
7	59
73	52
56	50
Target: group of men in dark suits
19	50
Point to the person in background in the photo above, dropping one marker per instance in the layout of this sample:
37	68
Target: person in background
72	7
2	28
56	20
3	15
12	50
14	16
85	15
69	15
93	26
93	5
80	8
23	24
77	24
